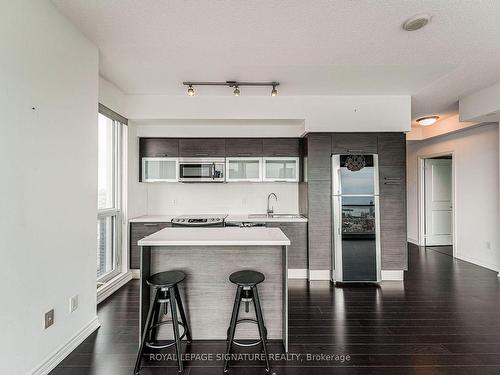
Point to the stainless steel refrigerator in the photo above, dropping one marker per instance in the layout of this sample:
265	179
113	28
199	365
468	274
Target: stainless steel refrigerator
356	223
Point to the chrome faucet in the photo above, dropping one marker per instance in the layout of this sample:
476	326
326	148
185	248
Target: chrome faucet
270	210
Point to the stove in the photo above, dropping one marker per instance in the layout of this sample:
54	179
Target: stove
199	221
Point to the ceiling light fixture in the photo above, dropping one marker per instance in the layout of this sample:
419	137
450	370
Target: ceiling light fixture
274	92
416	22
235	84
427	120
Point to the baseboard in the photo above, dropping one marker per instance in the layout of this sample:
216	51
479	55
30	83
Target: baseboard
392	275
413	241
112	286
136	274
297	273
57	357
478	263
320	275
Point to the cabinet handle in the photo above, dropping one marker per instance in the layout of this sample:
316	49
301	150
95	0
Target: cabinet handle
161	155
150	224
392	178
392	183
243	154
200	154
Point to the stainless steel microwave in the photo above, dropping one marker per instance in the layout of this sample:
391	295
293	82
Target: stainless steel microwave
202	169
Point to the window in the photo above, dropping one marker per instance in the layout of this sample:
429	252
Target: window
109	197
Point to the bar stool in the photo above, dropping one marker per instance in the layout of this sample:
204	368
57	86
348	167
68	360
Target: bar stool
165	291
246	292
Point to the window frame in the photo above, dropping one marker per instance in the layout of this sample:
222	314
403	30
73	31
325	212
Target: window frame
115	212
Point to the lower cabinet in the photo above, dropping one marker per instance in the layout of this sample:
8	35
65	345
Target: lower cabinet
297	251
137	232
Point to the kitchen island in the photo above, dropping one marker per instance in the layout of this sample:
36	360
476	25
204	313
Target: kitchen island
208	256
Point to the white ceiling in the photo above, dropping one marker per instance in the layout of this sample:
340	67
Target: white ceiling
320	47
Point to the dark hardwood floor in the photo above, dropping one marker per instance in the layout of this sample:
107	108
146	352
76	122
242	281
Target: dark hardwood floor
444	319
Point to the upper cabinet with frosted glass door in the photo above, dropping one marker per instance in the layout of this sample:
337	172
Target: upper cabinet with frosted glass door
243	169
281	169
160	169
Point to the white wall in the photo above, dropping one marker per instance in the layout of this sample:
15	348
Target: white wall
112	97
48	159
320	113
476	183
234	198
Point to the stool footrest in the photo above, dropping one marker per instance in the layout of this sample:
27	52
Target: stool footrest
162	344
252	343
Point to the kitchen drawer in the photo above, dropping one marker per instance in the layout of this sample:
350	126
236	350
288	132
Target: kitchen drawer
202	147
281	147
297	251
137	232
159	147
354	143
243	147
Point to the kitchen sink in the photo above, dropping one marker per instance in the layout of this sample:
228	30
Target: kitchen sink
286	216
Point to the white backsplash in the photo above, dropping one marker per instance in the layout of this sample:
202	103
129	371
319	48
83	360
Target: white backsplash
233	198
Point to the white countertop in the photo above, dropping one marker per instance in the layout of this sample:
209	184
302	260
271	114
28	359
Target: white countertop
229	218
246	218
153	219
232	236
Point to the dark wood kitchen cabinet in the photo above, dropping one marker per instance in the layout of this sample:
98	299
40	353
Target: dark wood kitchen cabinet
297	251
392	197
137	232
392	149
244	147
354	143
281	147
159	147
202	147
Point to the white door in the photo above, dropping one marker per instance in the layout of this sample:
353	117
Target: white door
438	202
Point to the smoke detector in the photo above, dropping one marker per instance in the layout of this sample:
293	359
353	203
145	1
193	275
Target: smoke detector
416	22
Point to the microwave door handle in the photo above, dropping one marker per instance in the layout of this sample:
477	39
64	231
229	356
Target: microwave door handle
213	171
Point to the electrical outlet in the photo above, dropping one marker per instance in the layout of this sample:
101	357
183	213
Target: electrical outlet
49	318
73	303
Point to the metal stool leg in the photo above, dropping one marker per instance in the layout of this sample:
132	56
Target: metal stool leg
145	332
182	313
262	330
175	324
232	327
156	318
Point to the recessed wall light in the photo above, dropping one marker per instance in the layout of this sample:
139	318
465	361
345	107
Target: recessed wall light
427	120
416	22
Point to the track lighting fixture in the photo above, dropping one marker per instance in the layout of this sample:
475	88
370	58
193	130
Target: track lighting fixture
235	84
274	92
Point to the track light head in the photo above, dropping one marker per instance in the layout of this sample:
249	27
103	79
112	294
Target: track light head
274	92
191	90
236	91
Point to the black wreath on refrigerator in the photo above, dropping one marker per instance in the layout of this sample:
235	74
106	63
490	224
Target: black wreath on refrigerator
355	163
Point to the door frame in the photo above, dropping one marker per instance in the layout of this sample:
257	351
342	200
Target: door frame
421	196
